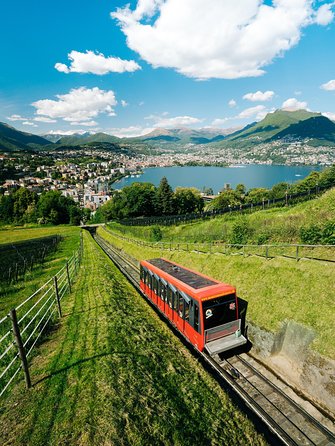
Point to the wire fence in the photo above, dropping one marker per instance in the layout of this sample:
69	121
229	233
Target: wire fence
168	220
21	329
293	251
17	259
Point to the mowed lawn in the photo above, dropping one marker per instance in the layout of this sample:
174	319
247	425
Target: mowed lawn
13	294
114	374
276	290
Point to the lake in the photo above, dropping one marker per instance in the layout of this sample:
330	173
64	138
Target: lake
251	175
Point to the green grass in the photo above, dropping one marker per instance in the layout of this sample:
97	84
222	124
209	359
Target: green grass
114	374
276	225
16	293
276	290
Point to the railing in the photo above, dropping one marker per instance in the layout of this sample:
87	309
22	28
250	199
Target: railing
293	251
23	326
166	220
222	330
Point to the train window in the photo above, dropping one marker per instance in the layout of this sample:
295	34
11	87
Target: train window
186	311
150	280
181	307
169	297
196	325
219	311
155	281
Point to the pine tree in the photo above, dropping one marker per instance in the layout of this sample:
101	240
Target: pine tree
165	198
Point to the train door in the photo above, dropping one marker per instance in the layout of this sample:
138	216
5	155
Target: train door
171	291
150	277
180	307
155	287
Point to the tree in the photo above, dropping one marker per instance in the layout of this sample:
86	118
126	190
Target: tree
257	195
227	198
23	198
6	209
188	200
240	189
164	198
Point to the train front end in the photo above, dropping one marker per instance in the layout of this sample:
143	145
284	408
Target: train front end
221	322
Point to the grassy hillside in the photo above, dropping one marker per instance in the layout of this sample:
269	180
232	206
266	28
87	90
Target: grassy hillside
114	374
12	295
276	289
277	225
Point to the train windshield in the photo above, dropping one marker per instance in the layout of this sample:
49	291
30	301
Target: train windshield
220	310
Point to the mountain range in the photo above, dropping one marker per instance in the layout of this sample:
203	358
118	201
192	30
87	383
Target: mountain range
282	126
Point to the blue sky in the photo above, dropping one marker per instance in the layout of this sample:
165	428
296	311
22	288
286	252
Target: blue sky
162	63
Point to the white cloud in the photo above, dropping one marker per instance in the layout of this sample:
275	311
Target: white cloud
68	132
124	103
324	15
177	121
96	63
85	123
44	119
257	111
223	40
259	96
329	115
330	86
130	132
16	118
79	105
293	104
232	103
29	123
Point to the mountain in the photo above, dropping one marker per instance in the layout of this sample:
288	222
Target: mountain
87	138
184	136
317	127
12	139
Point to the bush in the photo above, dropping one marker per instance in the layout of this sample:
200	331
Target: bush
156	233
240	233
311	235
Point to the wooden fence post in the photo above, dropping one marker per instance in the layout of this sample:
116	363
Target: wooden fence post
57	297
267	251
20	346
297	253
68	275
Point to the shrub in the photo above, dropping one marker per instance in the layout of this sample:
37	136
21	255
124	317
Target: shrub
156	233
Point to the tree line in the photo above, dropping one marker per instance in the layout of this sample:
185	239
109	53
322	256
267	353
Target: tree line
145	199
25	206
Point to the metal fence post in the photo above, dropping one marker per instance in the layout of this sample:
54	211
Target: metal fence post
20	346
57	296
68	275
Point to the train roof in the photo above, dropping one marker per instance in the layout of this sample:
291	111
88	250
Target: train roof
198	283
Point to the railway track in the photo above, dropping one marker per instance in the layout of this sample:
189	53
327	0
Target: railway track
290	423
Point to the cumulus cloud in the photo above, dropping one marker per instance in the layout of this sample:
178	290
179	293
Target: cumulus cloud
330	85
44	119
85	123
31	124
79	105
69	132
259	96
324	15
175	122
224	40
16	118
293	104
124	103
96	63
232	103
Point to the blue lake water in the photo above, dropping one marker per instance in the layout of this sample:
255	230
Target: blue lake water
251	175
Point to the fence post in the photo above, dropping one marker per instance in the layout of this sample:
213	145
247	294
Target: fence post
297	253
267	251
19	344
57	296
68	275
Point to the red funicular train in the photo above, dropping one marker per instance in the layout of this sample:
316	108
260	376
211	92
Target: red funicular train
203	309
